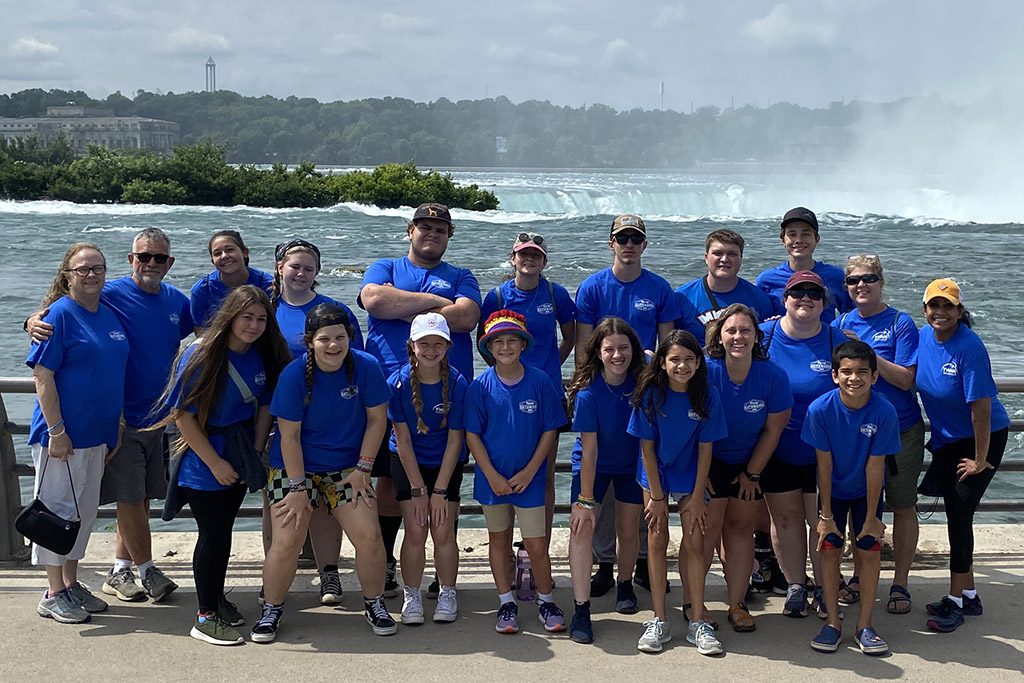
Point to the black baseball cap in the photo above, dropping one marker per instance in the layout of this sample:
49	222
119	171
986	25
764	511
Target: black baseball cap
433	210
800	214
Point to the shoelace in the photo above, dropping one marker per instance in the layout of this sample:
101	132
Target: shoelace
507	610
379	610
330	583
270	616
653	629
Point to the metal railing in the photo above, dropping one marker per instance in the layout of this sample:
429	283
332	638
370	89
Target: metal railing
12	544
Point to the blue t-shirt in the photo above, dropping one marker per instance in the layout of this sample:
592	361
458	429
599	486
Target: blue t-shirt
334	421
894	337
746	406
385	339
950	375
209	293
87	353
643	303
292	321
697	310
155	325
852	436
230	408
808	364
773	282
676	434
543	314
510	421
428	448
605	411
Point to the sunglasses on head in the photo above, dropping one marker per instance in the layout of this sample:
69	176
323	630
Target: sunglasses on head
282	249
145	256
812	293
524	238
634	237
867	278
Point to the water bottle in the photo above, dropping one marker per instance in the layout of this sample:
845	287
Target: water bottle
526	589
761	577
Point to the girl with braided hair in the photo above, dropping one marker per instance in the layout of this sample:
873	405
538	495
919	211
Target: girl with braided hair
427	455
331	410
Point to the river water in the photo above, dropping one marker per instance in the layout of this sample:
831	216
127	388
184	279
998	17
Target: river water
920	228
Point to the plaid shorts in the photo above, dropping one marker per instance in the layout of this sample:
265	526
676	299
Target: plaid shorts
319	486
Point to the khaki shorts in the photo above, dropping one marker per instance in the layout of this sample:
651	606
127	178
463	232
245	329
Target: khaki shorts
532	521
901	488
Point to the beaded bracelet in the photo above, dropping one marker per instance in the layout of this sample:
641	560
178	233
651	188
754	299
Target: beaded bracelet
365	466
49	430
441	492
297	486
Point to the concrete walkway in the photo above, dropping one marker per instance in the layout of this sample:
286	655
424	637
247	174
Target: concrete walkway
152	642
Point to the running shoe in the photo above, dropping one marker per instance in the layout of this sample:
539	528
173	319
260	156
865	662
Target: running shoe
551	617
61	608
214	630
796	601
377	616
972	606
391	587
870	642
83	597
602	581
947	616
228	612
828	639
412	606
656	634
581	630
157	585
625	598
703	636
330	586
447	609
121	584
508	618
265	630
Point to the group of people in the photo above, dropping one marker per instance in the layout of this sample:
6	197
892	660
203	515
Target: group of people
786	406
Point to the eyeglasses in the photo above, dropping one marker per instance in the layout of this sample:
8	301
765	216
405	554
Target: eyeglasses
867	278
634	237
145	257
282	249
814	294
84	271
524	238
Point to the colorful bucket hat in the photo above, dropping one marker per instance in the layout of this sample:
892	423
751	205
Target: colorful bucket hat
504	322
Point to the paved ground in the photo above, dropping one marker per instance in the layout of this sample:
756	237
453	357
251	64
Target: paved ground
152	642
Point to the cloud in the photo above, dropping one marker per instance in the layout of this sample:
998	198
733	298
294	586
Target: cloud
622	53
350	45
190	39
568	35
396	22
670	15
781	28
529	57
30	47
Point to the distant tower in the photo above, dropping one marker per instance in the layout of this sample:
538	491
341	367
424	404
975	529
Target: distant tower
211	75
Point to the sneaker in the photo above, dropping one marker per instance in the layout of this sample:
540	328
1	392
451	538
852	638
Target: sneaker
796	601
972	606
63	609
412	607
265	630
447	609
581	630
158	585
330	587
122	585
83	597
215	630
642	577
779	584
656	634
828	639
870	642
703	636
551	617
818	604
946	616
625	598
434	589
378	617
602	581
391	587
508	618
228	612
261	599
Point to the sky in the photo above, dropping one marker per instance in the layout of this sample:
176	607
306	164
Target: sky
569	52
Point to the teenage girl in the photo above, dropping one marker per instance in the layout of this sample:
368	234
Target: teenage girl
230	259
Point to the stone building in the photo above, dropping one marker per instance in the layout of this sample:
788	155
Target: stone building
84	127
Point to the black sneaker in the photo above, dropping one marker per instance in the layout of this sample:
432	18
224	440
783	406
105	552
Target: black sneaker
391	587
625	599
581	630
377	616
642	578
228	612
602	581
265	630
330	586
434	589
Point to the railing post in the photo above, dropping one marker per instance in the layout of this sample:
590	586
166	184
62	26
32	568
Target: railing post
12	544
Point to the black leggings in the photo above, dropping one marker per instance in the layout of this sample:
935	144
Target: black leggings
962	497
215	513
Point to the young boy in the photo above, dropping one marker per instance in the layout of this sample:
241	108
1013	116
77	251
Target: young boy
512	416
853	429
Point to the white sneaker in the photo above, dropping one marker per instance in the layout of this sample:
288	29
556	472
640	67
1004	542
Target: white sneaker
656	633
703	636
412	608
447	606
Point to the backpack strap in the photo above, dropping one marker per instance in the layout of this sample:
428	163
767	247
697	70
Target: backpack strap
243	388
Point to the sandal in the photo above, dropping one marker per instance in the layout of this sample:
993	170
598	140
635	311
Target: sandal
706	616
898	594
741	620
848	595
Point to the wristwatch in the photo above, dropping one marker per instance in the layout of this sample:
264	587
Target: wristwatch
418	492
750	476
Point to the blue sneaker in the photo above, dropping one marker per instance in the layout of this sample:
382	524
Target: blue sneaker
551	617
625	598
508	618
828	639
581	630
796	601
946	617
972	606
870	642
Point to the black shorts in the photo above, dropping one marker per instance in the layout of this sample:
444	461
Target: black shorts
403	489
721	476
382	463
780	476
567	427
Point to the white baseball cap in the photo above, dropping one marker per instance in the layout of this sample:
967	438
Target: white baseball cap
427	324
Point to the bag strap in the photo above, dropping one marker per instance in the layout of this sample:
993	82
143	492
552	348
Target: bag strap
243	388
709	293
46	459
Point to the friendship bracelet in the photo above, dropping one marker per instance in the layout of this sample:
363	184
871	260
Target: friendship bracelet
657	500
583	505
49	430
300	486
60	433
441	492
365	466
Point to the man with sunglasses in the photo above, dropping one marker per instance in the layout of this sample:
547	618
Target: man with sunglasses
155	317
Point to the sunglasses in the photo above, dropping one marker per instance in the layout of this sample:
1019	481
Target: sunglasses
84	271
282	249
634	237
867	278
814	294
525	238
145	257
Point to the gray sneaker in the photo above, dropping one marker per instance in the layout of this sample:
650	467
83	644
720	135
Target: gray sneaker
158	585
228	612
122	585
702	635
656	633
83	597
215	631
63	609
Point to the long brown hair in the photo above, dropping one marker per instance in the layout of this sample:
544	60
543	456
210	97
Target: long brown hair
414	381
714	346
652	387
60	286
591	364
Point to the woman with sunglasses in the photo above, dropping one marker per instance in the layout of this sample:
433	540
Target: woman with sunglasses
802	346
548	310
230	259
894	337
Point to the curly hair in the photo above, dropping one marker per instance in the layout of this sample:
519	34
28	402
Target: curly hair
714	346
652	387
591	364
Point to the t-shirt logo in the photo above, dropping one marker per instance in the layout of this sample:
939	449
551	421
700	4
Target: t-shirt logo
753	406
949	369
117	335
645	305
351	391
821	365
868	429
693	415
174	318
707	317
260	379
438	283
528	406
882	335
439	409
545	309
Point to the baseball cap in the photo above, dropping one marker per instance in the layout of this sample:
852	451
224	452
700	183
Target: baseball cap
427	324
530	240
325	315
433	210
804	277
629	221
945	288
800	214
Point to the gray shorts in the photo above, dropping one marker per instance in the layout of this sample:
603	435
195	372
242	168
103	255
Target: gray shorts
137	472
901	488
